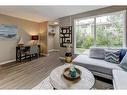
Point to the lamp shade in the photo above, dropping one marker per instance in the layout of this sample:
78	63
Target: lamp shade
34	37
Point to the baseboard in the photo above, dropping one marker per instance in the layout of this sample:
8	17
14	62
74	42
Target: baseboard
52	50
7	62
45	54
56	50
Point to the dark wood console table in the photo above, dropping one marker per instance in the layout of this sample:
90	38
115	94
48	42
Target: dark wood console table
22	52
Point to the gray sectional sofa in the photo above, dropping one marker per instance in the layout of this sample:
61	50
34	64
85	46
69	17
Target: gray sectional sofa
104	69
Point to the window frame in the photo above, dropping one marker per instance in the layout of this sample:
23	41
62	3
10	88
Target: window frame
95	17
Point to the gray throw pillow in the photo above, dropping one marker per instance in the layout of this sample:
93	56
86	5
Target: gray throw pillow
112	56
123	63
97	52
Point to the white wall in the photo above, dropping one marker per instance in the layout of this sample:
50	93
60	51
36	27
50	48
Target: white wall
50	42
56	39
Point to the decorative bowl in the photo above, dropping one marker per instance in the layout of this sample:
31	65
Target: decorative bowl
68	76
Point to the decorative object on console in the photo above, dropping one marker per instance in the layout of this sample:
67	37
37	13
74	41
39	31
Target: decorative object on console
112	56
65	35
20	43
34	38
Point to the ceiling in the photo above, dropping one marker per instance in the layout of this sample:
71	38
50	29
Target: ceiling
44	13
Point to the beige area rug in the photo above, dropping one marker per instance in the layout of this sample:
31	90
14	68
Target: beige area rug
45	85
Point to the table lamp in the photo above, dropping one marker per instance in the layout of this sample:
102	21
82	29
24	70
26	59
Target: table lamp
20	43
34	38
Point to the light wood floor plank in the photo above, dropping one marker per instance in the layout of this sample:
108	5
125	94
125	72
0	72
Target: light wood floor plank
27	75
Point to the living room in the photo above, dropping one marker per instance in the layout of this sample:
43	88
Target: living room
38	47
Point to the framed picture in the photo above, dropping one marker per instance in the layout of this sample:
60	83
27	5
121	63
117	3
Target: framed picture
8	31
65	36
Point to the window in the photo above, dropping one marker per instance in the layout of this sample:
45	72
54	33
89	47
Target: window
103	31
84	34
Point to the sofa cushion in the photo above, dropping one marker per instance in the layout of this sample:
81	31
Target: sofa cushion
123	63
95	64
97	52
119	79
112	56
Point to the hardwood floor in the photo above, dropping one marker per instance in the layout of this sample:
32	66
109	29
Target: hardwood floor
27	75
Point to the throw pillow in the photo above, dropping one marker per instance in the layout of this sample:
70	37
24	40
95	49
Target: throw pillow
97	52
112	56
122	53
123	63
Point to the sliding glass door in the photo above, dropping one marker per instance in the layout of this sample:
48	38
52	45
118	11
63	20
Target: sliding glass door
109	30
84	34
103	31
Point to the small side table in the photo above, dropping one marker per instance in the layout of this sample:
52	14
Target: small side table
58	81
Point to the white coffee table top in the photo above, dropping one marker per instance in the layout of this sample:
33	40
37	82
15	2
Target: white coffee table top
58	81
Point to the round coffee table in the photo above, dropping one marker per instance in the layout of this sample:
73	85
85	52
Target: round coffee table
58	81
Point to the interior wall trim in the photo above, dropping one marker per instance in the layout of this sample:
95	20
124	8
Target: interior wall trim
52	50
7	62
45	54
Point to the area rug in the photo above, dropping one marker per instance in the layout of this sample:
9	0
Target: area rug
45	85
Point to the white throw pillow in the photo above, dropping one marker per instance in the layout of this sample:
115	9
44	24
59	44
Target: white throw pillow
97	52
